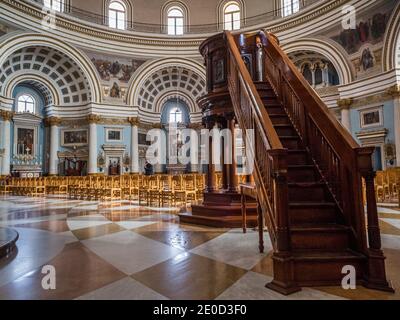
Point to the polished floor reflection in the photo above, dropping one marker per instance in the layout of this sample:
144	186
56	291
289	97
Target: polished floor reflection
120	250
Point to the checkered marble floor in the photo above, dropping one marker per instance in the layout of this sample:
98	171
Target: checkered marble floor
120	250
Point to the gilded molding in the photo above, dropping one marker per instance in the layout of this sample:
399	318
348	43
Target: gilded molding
394	91
134	121
93	119
345	103
52	121
6	115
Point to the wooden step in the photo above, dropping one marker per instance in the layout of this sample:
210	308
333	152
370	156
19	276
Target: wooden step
298	157
302	173
279	119
275	109
330	237
312	212
217	222
285	130
307	192
267	93
262	85
321	268
291	142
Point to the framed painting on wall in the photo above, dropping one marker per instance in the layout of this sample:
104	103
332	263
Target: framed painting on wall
371	117
114	135
74	137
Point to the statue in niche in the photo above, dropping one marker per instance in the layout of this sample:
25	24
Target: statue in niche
115	91
367	59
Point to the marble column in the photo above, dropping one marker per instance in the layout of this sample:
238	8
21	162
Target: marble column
7	117
93	120
344	106
134	144
394	91
54	123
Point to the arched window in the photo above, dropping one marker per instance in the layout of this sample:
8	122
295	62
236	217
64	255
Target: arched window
175	21
318	75
116	15
26	104
308	74
175	115
57	5
290	7
232	17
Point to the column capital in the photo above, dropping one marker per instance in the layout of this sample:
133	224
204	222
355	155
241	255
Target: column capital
134	121
345	103
93	118
157	126
394	91
6	115
52	121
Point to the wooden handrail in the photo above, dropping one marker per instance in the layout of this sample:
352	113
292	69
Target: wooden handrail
270	170
339	158
251	90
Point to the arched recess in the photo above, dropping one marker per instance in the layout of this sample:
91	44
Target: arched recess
328	50
15	41
50	94
391	46
221	7
150	68
53	65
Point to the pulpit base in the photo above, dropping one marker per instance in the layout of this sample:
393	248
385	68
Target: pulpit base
221	210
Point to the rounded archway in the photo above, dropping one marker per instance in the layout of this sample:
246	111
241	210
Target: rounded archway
327	50
27	45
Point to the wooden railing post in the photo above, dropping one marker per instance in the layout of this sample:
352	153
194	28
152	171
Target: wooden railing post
284	278
376	275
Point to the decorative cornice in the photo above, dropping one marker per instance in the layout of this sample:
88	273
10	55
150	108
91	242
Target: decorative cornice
100	32
52	121
134	121
345	103
93	119
6	115
394	91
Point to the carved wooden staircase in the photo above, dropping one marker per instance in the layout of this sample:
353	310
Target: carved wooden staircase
309	172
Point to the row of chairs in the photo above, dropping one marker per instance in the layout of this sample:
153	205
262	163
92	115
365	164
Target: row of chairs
156	189
387	185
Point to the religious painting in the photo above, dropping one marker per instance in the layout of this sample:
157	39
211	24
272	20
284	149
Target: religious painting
371	117
114	135
74	138
368	30
142	139
121	69
367	59
25	141
219	71
115	91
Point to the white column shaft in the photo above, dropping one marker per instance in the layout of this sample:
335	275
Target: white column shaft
346	119
5	170
54	138
397	128
92	166
134	149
